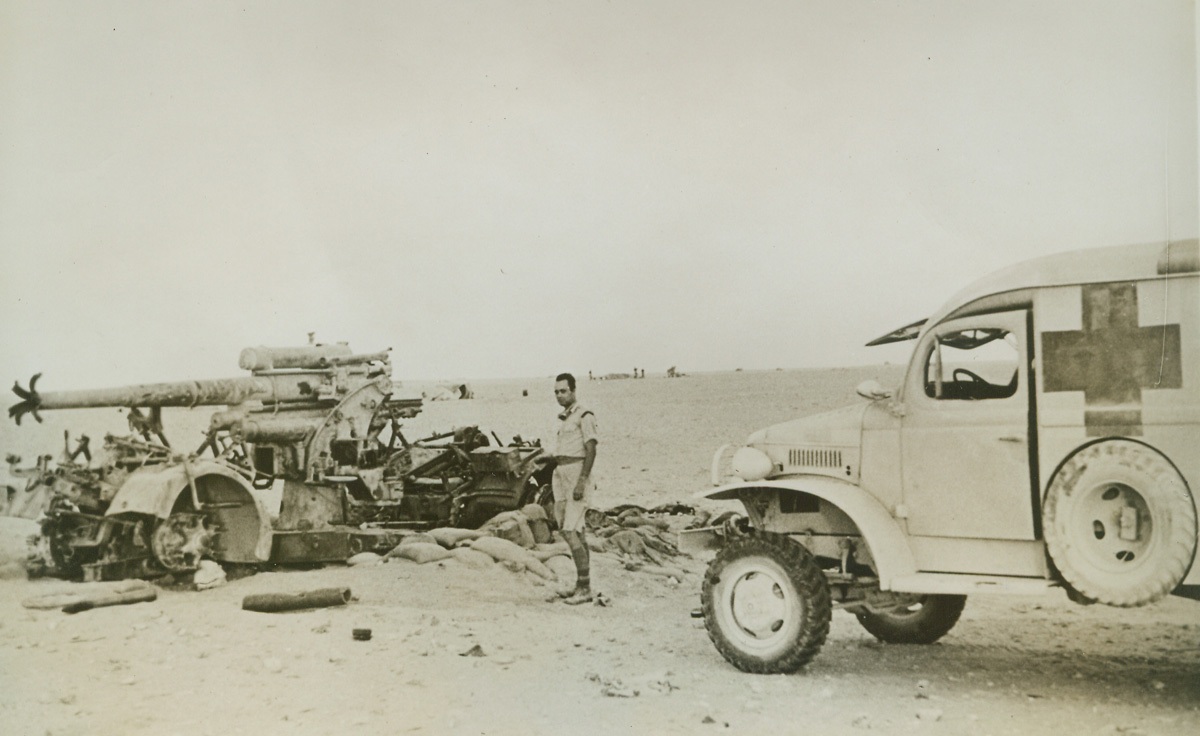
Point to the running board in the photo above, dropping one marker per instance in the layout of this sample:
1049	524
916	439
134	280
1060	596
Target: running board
946	583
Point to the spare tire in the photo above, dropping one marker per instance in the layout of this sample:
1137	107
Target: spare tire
1120	524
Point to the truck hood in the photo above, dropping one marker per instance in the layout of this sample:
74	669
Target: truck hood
838	427
821	444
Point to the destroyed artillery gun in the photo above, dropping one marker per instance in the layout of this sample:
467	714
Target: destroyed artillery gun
317	427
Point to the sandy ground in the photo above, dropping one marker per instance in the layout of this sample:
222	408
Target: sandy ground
195	663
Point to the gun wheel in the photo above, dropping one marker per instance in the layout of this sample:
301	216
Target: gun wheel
766	604
180	541
1120	524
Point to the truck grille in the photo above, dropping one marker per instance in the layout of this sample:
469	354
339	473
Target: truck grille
815	458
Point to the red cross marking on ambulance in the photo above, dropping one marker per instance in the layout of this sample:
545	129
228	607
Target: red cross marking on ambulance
1112	359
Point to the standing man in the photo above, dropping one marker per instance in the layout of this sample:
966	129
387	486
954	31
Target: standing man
575	452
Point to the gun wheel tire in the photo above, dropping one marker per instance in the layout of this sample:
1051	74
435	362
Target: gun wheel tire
766	604
180	541
1120	524
926	620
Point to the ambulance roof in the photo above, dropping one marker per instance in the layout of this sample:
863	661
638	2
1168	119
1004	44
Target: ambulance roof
1094	265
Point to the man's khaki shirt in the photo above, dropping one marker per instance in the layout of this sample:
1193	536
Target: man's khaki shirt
577	428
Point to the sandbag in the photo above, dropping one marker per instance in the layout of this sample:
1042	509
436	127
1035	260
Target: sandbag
545	551
503	550
500	518
420	552
473	558
539	522
448	536
511	525
541	531
537	567
208	575
418	538
516	531
364	559
533	512
564	569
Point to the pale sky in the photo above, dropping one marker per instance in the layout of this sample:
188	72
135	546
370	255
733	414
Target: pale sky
499	189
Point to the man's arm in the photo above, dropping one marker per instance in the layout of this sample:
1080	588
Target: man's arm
589	457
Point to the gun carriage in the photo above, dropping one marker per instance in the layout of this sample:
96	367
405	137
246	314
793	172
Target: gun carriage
314	429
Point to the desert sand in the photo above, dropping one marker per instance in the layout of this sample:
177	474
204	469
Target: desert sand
456	650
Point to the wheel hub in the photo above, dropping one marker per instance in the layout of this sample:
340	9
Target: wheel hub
758	604
181	541
1116	528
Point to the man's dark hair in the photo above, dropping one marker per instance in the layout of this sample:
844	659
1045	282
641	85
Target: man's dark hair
566	377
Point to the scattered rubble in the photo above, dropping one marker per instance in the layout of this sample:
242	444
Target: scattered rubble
522	540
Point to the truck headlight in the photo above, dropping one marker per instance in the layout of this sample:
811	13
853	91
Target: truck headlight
750	464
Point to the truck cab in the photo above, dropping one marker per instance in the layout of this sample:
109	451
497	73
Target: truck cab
1044	437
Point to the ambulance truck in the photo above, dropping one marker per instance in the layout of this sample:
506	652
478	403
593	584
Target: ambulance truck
1046	435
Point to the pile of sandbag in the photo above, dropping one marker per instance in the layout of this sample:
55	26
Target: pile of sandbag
520	541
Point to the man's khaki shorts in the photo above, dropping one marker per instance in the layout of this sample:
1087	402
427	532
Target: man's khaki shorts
568	512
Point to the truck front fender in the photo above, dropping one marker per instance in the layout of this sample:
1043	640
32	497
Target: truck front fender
158	490
881	532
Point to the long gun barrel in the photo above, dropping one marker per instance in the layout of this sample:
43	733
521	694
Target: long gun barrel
281	376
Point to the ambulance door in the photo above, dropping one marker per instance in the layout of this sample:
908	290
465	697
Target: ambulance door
965	437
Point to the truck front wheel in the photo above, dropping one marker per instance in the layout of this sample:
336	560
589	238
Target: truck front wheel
926	620
766	604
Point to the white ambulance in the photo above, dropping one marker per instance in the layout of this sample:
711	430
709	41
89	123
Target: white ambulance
1046	435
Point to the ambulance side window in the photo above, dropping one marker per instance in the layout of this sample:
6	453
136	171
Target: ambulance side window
975	364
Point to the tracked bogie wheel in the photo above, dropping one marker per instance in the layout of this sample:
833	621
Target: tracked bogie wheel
766	604
923	621
1120	524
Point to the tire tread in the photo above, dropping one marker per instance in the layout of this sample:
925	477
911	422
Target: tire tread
1177	551
810	583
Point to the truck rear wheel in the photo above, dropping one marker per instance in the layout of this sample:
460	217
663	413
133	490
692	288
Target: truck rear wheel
1120	524
925	621
766	604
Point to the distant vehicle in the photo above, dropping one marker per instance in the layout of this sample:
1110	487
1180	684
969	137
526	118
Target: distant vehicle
1046	435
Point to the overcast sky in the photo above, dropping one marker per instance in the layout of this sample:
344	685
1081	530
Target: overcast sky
504	189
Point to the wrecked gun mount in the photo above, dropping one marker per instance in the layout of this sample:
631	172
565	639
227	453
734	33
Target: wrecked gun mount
317	427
